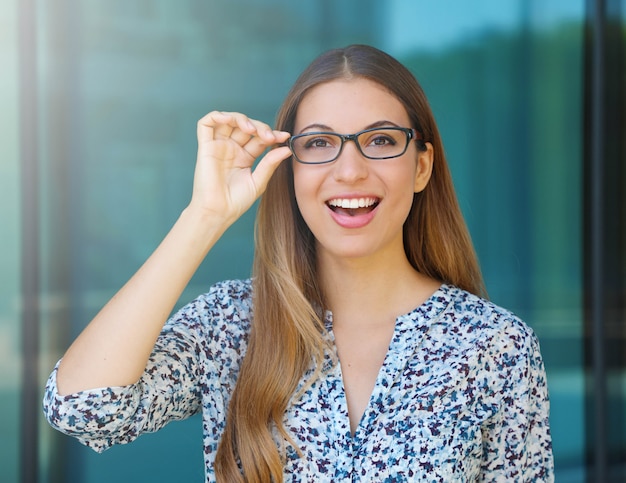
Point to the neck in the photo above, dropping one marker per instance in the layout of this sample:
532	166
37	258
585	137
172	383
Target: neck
372	291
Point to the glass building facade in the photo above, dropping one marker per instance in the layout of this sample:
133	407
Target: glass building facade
97	149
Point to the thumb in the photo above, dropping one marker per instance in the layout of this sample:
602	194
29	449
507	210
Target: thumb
266	167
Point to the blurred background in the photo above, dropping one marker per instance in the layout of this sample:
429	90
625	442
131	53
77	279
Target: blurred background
98	106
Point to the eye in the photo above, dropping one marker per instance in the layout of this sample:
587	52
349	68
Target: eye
381	140
319	142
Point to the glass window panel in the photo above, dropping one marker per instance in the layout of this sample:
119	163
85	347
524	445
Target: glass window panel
10	336
506	88
122	87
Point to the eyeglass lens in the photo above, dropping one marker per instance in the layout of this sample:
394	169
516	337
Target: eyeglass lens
374	144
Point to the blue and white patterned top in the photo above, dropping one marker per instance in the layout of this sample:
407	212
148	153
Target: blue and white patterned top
461	396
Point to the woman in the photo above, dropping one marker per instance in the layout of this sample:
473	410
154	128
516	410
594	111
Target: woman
370	356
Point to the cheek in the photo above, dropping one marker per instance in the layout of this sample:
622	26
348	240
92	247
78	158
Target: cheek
297	177
297	183
303	186
398	179
402	191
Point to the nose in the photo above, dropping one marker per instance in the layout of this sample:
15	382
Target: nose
351	165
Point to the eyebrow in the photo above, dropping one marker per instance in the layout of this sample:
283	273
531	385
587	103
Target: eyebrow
324	127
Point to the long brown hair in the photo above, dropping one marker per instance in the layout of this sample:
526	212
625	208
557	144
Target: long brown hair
287	335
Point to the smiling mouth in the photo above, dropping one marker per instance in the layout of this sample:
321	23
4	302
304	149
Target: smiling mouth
353	206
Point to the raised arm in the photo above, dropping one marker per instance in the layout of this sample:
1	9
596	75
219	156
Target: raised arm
114	348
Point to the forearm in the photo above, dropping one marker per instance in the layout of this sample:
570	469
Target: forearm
114	348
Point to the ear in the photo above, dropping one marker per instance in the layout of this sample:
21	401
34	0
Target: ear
424	168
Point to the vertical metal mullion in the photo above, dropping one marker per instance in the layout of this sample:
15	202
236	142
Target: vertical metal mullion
30	288
594	252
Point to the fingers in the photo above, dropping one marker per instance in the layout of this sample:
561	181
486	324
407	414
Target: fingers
255	146
239	128
228	145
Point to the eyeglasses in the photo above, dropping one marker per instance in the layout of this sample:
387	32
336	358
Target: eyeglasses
376	143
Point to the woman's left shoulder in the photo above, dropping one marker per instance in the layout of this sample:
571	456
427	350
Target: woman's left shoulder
486	319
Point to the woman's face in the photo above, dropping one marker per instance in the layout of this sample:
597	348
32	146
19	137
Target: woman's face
382	189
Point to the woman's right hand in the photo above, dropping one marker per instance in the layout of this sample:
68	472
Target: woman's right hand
225	185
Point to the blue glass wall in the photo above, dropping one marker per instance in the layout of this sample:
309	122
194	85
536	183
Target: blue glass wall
10	380
120	87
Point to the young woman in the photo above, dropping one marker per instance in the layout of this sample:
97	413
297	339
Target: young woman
361	349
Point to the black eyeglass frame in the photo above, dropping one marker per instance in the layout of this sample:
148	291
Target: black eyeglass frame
410	134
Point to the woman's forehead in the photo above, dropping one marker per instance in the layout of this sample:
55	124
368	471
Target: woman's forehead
349	103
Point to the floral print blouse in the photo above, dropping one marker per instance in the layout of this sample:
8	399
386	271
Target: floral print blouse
461	396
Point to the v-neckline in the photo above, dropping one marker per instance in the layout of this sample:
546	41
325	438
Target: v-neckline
408	333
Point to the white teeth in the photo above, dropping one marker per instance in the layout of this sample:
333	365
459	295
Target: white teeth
352	202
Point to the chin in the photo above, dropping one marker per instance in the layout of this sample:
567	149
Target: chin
348	250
